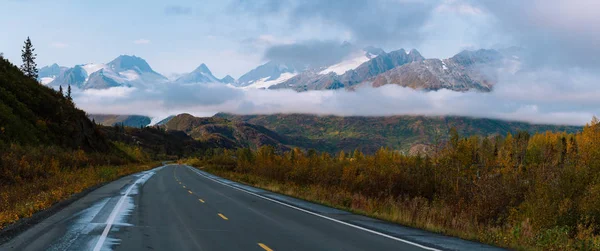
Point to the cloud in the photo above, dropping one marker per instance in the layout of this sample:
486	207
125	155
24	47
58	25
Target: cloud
141	41
368	21
59	45
176	10
559	33
536	96
309	53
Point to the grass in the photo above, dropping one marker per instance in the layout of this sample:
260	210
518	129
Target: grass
22	200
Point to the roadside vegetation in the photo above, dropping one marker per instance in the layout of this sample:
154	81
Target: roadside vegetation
527	192
35	178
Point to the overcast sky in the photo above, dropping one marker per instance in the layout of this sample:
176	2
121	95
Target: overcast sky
560	83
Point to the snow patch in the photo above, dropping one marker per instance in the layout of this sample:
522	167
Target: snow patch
91	68
264	83
130	75
444	65
46	80
349	64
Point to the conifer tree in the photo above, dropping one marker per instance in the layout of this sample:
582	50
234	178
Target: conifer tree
29	66
60	90
69	93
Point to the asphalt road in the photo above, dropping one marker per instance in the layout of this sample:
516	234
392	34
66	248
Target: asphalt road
180	208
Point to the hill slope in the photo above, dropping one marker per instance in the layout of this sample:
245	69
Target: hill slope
32	114
414	133
223	133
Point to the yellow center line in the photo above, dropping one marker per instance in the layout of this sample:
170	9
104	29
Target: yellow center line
201	200
223	216
265	247
189	191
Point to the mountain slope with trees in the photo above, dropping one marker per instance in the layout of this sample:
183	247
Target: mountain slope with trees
415	134
32	114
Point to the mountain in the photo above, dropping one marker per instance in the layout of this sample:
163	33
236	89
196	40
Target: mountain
467	70
332	78
125	120
278	75
228	80
415	134
200	75
463	72
33	114
270	72
48	73
75	77
125	70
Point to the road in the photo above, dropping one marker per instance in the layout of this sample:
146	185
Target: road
177	207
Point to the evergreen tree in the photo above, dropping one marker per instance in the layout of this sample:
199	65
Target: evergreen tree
69	93
29	66
60	90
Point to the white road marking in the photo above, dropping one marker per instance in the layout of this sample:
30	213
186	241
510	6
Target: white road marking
316	214
114	213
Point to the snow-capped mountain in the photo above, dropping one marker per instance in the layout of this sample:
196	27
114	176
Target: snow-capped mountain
275	73
48	73
228	80
370	66
269	72
200	75
124	70
355	70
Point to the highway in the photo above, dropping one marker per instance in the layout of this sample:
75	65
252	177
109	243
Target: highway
176	207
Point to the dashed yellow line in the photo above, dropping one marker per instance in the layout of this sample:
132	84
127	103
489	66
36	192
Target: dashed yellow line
201	200
189	191
265	247
223	216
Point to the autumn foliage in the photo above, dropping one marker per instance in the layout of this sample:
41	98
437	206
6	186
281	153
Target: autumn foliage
521	191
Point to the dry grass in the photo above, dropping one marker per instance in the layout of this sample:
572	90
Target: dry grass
21	200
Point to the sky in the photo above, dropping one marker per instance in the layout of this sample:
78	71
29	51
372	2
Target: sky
558	83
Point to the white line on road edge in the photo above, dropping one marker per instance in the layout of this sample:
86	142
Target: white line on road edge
114	213
316	214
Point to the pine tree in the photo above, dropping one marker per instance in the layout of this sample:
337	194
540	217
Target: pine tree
69	93
60	90
29	66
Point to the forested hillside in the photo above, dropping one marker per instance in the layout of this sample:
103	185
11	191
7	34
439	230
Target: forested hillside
32	114
412	134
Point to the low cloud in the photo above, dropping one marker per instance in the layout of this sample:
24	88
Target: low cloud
533	96
141	41
177	10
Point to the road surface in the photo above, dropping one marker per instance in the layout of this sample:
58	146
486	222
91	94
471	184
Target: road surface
177	207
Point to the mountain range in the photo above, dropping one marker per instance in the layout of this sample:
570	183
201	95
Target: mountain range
369	66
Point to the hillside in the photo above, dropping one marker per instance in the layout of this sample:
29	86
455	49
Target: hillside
223	133
32	114
411	133
126	120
